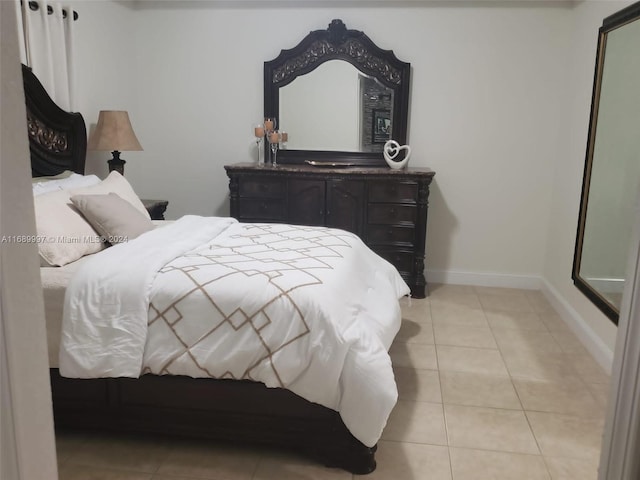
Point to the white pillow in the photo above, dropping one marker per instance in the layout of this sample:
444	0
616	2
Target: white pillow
74	180
114	183
64	235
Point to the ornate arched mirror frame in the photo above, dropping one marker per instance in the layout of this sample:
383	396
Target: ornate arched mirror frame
356	48
609	188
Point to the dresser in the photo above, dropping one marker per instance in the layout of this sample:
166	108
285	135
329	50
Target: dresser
386	208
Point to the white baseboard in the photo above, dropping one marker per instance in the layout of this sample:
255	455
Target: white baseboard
591	341
483	279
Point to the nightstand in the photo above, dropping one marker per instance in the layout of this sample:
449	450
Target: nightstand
156	208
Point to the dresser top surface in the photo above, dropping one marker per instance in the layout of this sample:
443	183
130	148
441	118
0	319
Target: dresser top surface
333	170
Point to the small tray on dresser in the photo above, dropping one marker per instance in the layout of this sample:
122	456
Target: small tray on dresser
317	163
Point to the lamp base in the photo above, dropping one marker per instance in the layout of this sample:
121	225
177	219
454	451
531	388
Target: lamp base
116	163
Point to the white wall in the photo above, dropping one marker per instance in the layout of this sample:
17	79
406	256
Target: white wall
106	68
499	109
485	111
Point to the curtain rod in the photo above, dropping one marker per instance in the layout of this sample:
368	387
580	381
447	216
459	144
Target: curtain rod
33	5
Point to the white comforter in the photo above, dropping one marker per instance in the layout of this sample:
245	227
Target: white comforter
310	309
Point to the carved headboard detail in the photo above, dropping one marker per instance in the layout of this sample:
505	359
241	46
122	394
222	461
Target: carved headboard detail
57	139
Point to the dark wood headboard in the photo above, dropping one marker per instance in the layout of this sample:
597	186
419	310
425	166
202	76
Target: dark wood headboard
57	139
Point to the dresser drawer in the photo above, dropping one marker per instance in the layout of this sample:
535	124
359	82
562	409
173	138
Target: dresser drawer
403	261
262	209
388	235
401	192
389	214
262	187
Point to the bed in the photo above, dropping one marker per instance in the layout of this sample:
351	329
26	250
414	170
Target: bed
229	410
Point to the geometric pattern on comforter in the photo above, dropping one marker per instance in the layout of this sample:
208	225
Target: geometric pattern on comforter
257	253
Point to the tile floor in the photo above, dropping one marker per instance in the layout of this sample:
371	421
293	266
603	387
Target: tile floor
492	385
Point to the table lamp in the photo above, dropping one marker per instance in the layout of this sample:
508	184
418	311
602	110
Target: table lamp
114	133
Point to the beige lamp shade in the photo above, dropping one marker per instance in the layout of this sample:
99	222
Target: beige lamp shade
114	132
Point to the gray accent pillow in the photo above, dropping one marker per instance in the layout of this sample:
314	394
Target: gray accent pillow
113	217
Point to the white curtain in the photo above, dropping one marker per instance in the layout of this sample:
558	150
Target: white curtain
48	47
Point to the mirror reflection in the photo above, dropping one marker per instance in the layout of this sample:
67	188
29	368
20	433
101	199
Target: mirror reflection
611	178
336	107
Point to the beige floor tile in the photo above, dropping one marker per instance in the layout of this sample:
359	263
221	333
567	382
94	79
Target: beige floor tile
468	301
473	360
416	422
570	396
554	322
588	369
480	390
569	343
415	332
121	452
463	336
418	310
456	314
539	301
562	468
468	464
490	429
418	385
538	342
567	435
406	461
532	365
82	472
512	302
210	460
601	392
488	340
526	321
290	467
440	289
481	290
413	355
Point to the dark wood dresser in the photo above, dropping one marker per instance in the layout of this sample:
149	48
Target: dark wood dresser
386	208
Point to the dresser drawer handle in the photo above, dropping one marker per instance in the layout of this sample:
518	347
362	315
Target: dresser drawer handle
390	232
392	211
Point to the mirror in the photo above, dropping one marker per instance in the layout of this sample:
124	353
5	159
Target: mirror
348	111
338	96
610	187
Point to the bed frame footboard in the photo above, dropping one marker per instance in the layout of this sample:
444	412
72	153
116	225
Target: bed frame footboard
230	410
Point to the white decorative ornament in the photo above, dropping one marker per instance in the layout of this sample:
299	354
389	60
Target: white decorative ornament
391	150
